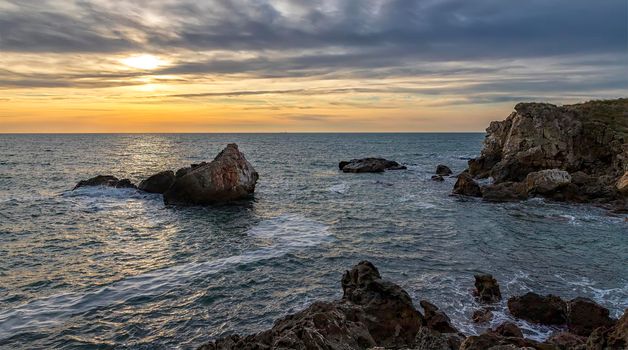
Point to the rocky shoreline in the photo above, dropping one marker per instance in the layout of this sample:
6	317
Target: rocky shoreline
375	313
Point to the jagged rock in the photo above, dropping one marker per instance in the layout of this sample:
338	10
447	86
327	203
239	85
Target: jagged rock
372	312
567	341
105	180
494	341
591	138
508	329
436	319
483	315
487	288
614	338
369	165
546	181
428	339
466	186
622	184
505	192
550	309
584	315
158	183
437	178
443	170
228	177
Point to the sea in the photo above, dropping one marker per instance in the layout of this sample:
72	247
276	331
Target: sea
106	268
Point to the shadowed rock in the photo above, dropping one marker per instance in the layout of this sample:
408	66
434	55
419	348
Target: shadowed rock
438	178
487	289
614	337
466	186
508	329
483	315
566	340
443	170
158	183
106	181
436	319
584	315
505	192
549	310
228	177
369	165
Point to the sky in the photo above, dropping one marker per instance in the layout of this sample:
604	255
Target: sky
301	65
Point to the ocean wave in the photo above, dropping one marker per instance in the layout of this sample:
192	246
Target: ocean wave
340	188
277	237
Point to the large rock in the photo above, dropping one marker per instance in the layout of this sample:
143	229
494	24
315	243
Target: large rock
591	138
566	340
443	170
493	341
546	181
549	310
228	177
584	315
436	319
622	184
466	186
369	165
106	181
505	192
158	183
487	289
372	312
615	337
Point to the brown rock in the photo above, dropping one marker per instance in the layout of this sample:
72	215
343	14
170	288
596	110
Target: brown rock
443	170
437	178
508	329
614	338
566	340
369	165
483	315
622	184
505	192
550	310
158	183
487	289
436	319
547	181
466	186
584	315
106	181
494	341
228	177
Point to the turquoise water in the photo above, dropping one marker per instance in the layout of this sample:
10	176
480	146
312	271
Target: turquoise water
115	268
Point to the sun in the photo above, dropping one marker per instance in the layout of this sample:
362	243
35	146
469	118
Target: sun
144	61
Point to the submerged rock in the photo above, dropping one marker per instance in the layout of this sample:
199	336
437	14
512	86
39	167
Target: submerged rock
588	138
228	177
465	185
482	315
487	289
549	310
369	165
437	178
443	170
158	183
105	180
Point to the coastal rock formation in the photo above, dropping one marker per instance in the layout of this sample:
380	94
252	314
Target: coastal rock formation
158	183
482	315
508	329
105	180
465	185
614	337
622	184
436	319
369	165
505	192
228	177
487	289
443	170
584	315
566	340
372	312
544	146
550	309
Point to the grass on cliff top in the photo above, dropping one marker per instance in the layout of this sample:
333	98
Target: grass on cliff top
611	112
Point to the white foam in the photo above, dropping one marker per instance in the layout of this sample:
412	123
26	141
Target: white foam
339	188
280	236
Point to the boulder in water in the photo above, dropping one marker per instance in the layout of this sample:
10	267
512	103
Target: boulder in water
487	288
436	319
508	329
369	165
584	315
466	186
443	170
228	177
549	310
547	181
438	178
504	192
106	181
158	183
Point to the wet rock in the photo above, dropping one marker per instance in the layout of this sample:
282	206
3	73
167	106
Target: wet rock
549	310
622	184
438	178
546	181
228	177
158	183
106	181
436	319
483	315
443	170
494	341
614	337
584	315
590	138
487	288
428	339
567	341
508	329
369	165
466	186
505	192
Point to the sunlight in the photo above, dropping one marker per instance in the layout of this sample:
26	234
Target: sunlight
144	61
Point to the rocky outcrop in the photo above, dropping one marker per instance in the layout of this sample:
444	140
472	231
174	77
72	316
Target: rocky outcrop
436	319
584	315
369	165
622	184
466	186
372	312
158	183
505	192
106	181
550	309
228	177
566	341
543	146
614	337
443	170
487	289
